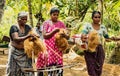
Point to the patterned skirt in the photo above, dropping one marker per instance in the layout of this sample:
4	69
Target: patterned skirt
17	60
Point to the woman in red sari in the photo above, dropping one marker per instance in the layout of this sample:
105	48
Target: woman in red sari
55	56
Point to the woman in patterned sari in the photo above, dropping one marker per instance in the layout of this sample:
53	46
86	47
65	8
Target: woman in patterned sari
55	56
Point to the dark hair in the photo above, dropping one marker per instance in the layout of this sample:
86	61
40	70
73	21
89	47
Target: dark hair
94	12
54	9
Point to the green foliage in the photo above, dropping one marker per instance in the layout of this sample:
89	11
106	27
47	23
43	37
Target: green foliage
111	16
109	47
75	8
73	12
79	52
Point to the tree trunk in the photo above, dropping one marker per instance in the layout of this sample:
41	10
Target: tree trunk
2	4
101	9
77	10
82	12
30	12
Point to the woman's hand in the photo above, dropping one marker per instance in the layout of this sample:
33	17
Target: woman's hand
114	38
65	36
56	30
32	35
108	39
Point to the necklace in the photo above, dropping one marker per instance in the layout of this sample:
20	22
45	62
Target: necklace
96	26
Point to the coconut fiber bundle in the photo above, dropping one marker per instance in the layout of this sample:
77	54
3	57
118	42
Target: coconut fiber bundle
33	45
60	40
93	41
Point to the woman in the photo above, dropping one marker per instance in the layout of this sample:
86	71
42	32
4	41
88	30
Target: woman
55	56
95	60
17	58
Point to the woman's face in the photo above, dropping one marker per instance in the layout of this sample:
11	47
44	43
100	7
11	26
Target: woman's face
96	18
23	20
54	16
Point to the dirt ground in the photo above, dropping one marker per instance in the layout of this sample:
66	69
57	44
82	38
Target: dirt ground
70	58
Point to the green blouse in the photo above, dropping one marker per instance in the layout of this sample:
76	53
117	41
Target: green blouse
102	31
